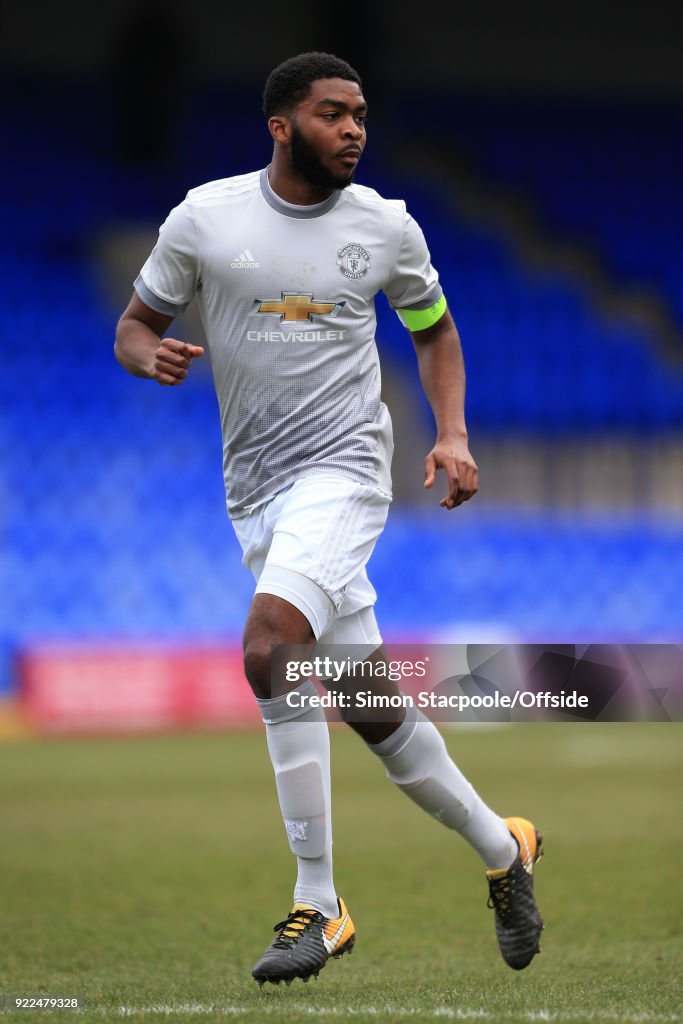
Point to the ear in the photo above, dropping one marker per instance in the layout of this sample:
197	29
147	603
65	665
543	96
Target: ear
279	127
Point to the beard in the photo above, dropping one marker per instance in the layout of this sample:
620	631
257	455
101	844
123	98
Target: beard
308	164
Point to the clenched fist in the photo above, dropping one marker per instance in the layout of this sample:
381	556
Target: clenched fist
172	361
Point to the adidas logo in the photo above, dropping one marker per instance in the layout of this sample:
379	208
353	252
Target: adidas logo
245	261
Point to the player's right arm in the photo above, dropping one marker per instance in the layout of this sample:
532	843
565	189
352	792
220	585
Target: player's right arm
164	288
141	350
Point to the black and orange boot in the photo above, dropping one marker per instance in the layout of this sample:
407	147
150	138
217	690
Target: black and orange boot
511	896
305	942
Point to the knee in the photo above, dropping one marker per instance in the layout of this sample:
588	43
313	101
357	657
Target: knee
271	623
258	666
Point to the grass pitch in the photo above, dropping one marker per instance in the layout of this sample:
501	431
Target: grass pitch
144	875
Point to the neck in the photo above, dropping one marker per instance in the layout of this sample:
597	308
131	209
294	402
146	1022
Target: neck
290	186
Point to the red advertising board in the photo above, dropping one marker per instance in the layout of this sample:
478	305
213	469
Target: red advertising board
86	688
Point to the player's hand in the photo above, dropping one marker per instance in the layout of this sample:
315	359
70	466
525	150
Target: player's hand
454	458
172	361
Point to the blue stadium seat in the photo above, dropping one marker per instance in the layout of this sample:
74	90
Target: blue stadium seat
106	531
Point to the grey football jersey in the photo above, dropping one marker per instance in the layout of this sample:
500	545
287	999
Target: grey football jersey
286	296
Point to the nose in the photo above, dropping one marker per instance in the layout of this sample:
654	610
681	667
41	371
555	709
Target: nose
352	130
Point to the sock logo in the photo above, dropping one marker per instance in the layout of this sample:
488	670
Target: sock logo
297	831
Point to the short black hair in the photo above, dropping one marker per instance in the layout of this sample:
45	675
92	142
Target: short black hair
290	82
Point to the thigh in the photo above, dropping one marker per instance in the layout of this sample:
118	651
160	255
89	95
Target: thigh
308	547
355	625
255	532
326	530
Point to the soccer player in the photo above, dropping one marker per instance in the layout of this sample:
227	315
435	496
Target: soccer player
285	263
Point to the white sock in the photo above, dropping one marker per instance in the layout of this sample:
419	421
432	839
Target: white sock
299	747
417	761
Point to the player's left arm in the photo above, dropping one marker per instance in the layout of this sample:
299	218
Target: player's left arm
442	373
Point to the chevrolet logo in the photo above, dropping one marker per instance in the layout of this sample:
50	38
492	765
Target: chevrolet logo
297	306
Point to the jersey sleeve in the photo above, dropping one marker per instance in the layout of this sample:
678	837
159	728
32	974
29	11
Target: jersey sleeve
414	291
169	278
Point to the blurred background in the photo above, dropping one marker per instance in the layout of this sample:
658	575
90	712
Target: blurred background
541	151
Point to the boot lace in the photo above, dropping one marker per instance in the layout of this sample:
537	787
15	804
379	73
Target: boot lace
294	926
500	895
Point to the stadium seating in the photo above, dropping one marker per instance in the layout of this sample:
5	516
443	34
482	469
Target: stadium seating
603	173
112	520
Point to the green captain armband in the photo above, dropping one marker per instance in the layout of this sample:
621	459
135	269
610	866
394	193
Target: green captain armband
420	319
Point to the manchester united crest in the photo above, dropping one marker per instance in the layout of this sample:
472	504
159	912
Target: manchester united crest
353	261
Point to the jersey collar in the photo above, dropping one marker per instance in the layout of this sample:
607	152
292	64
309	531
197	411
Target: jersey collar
290	209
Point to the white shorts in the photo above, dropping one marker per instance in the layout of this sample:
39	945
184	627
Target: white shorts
309	545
